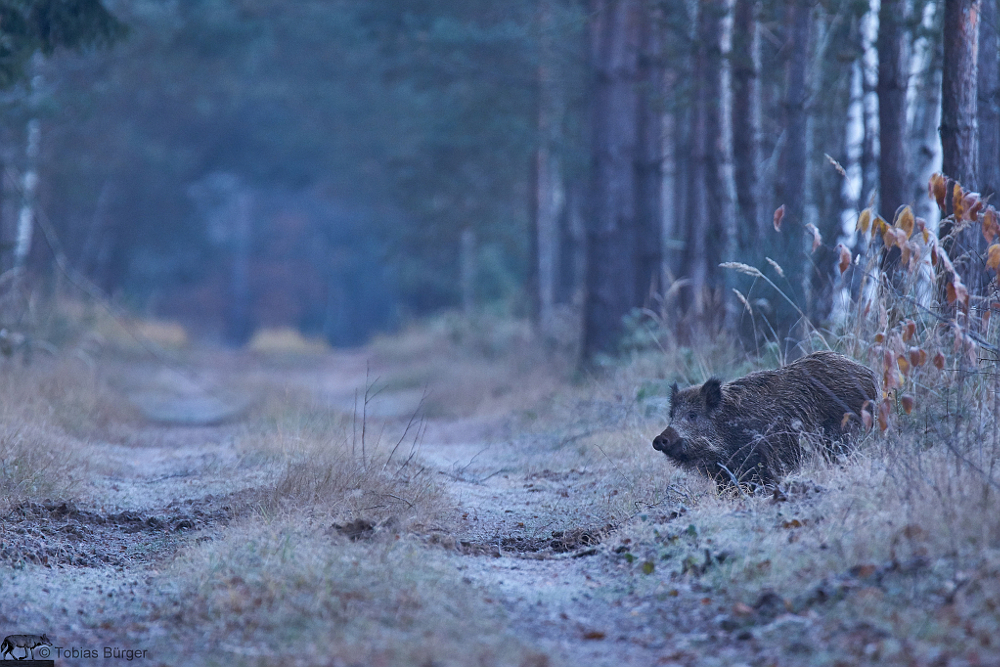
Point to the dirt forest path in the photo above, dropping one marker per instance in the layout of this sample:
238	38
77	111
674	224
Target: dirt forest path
531	540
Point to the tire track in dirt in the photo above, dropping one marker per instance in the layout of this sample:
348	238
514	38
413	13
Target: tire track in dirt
533	544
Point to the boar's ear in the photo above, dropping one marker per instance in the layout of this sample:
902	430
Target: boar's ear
673	393
711	391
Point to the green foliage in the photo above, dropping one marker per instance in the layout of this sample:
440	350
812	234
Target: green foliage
31	26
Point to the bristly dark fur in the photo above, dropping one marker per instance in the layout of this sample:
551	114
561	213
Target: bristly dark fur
751	426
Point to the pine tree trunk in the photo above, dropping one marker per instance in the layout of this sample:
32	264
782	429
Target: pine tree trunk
611	262
959	91
830	94
989	101
696	217
669	204
649	162
549	190
891	89
745	116
791	182
959	127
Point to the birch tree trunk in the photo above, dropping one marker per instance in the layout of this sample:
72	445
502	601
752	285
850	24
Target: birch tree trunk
29	190
726	216
611	263
927	115
869	82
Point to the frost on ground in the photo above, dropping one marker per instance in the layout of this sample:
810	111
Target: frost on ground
434	500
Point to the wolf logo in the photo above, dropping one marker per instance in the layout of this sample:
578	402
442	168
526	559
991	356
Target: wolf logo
27	642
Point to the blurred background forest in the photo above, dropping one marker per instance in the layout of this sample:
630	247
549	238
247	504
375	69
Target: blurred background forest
343	166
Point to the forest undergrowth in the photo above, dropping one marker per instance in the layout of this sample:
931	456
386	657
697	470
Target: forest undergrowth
334	528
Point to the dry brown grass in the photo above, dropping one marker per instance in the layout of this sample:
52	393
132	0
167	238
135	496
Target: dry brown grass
51	411
295	582
887	556
349	467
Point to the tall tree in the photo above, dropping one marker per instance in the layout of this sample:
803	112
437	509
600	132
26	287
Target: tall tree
791	179
30	30
649	158
615	34
42	26
745	58
830	94
893	64
926	139
893	72
959	129
959	93
699	183
989	100
549	192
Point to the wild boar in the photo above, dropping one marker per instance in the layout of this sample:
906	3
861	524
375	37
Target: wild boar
749	430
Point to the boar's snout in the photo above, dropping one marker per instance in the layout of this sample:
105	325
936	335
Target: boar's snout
667	442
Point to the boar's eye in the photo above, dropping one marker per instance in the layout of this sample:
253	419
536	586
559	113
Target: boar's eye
691	416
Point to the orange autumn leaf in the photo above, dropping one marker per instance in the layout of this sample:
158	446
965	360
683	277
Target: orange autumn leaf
905	221
939	361
957	293
845	258
937	189
864	221
904	365
883	414
971	204
778	215
909	328
991	227
918	357
993	257
907	402
958	201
